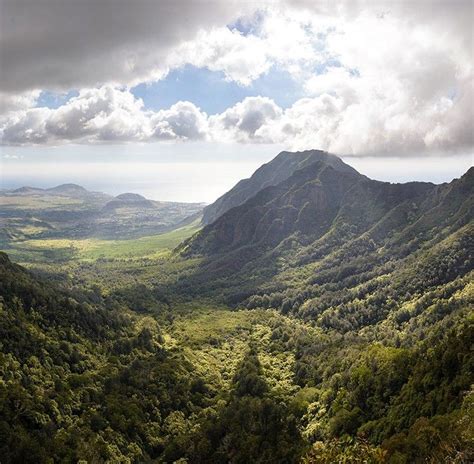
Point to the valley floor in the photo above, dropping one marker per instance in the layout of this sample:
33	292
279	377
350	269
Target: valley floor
116	367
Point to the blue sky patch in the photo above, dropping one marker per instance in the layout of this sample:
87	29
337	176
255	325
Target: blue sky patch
54	100
212	93
247	26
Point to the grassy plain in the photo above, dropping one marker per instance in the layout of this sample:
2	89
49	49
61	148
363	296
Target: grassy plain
91	249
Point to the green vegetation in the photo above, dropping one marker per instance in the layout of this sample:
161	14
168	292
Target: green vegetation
116	374
346	337
71	212
95	381
90	249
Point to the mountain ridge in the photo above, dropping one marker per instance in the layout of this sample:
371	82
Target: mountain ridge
315	215
272	173
301	190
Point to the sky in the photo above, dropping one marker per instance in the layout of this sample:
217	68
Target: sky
180	99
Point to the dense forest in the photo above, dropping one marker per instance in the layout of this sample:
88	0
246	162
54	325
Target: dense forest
322	318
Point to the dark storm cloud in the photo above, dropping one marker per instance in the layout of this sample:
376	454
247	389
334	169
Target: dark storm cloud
62	44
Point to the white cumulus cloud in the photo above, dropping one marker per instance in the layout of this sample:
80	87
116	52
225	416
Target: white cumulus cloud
183	121
386	78
106	114
244	121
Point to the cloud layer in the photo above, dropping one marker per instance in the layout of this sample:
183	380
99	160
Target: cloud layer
67	44
350	123
378	77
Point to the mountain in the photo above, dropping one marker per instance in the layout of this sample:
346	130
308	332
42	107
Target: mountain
312	201
294	235
272	173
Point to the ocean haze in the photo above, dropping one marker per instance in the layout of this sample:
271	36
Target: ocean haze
193	181
187	182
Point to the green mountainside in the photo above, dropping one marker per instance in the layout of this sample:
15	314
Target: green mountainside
322	227
324	317
272	173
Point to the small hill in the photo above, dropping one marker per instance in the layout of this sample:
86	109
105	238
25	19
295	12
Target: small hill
129	200
68	189
27	190
131	197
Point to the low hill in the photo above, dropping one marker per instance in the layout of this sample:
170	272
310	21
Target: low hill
133	200
130	197
68	189
70	211
25	191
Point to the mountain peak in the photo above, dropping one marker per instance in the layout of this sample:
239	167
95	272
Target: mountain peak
280	168
307	157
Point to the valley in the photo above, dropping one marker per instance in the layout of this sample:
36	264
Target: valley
70	211
310	315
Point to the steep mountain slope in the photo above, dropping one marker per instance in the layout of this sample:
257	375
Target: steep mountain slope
321	226
272	173
319	199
